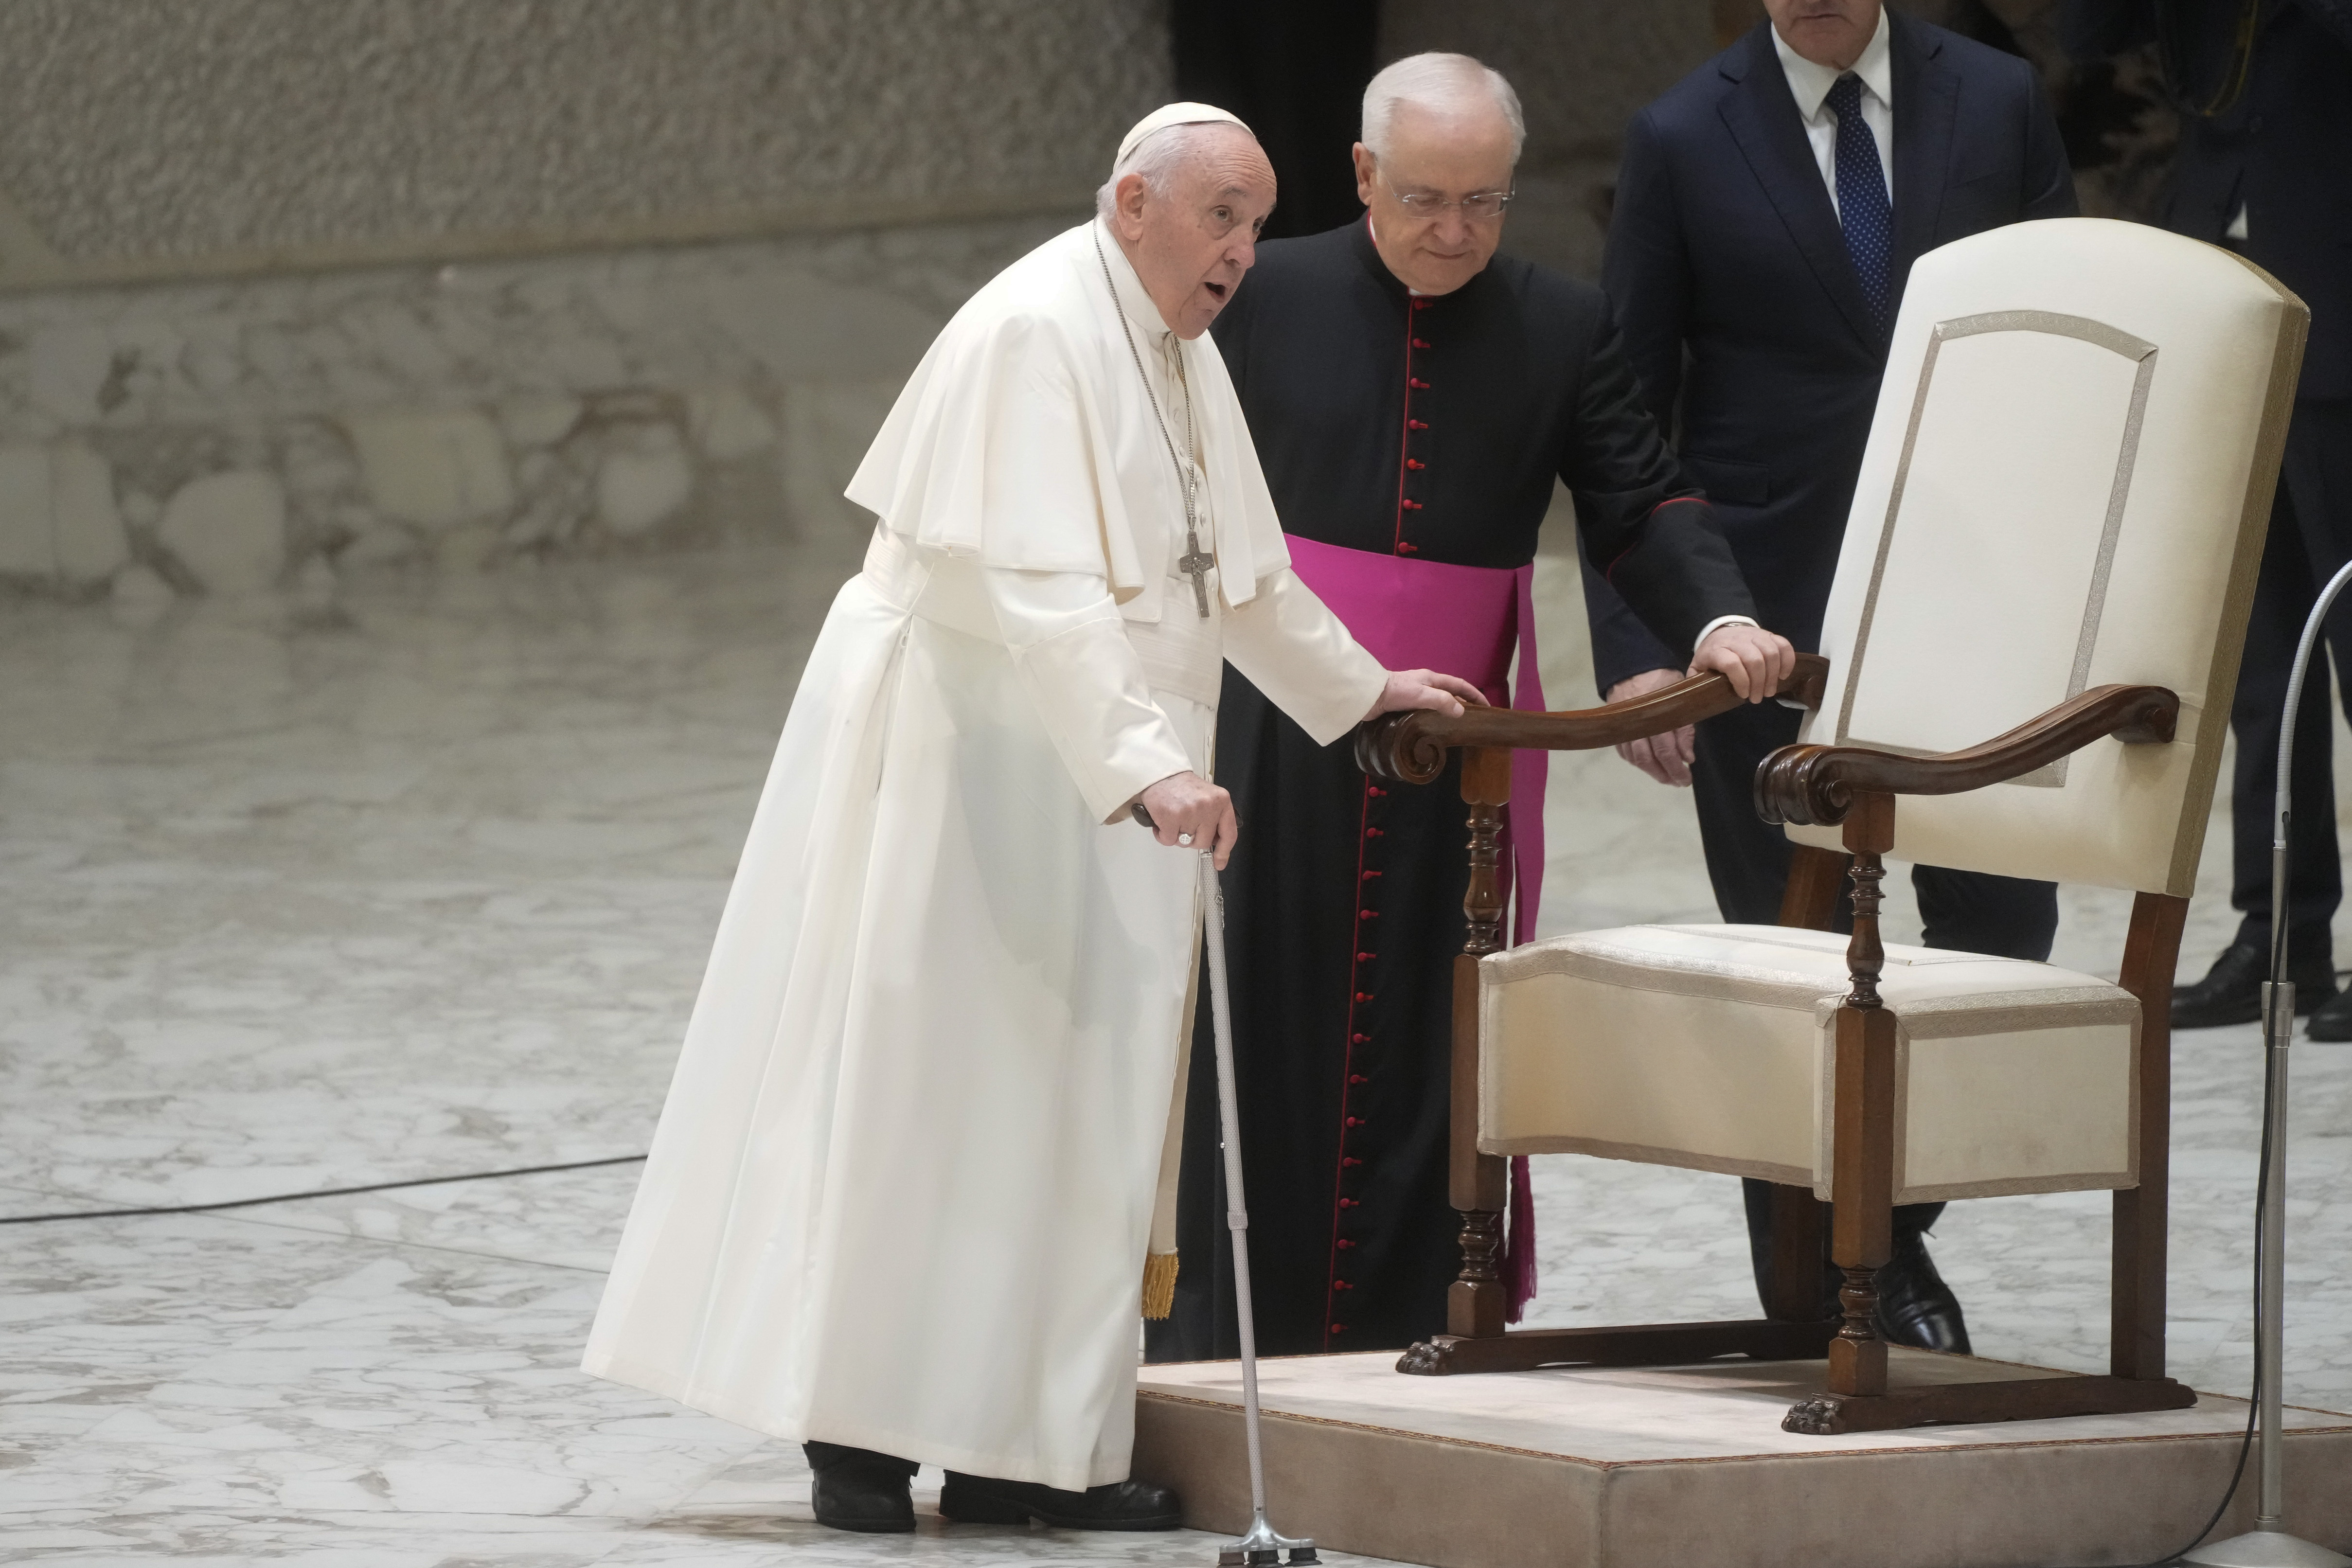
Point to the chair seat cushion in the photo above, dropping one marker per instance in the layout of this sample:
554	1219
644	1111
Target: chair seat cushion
1712	1047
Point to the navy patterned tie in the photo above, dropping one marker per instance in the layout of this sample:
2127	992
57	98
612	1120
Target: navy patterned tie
1869	222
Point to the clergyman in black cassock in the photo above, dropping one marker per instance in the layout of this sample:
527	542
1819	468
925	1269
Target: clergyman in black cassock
1430	429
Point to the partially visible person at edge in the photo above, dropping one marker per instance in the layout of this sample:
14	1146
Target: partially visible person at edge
1768	210
898	1203
1415	396
2264	89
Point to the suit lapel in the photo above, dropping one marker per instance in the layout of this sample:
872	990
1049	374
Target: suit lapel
1762	118
1926	106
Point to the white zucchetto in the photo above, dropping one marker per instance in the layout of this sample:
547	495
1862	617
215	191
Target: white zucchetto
1161	118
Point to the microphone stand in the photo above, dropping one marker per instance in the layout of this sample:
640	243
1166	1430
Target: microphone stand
2268	1544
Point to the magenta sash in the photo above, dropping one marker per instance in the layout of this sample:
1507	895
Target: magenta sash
1456	620
1464	621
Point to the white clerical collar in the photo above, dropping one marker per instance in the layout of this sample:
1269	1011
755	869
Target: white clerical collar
1810	83
1133	297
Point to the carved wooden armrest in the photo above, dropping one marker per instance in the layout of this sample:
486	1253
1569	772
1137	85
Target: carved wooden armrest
1816	786
1410	748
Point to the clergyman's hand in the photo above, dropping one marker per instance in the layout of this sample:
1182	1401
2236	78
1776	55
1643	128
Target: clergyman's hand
1187	811
1667	757
1754	661
1448	694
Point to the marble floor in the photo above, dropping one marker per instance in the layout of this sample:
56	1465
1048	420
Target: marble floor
307	894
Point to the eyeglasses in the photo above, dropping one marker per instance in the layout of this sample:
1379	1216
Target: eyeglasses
1480	207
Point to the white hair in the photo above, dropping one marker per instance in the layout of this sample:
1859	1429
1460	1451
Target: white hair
1439	84
1158	157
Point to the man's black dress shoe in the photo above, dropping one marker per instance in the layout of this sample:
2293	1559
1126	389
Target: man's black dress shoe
859	1489
2231	991
1121	1505
1914	1306
2331	1020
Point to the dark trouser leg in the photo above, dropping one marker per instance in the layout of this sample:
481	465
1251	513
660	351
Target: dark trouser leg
1747	858
1971	912
2310	536
1912	1221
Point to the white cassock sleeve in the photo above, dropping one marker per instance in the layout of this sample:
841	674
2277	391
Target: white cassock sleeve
1070	647
1293	649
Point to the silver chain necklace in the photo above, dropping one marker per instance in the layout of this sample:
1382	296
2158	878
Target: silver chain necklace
1195	562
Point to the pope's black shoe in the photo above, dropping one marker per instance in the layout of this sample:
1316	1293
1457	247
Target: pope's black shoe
2231	991
857	1489
1121	1505
1914	1306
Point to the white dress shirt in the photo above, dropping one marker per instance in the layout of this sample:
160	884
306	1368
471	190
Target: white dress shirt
1809	84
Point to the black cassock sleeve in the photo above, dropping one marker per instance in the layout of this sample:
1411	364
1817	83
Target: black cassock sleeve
1647	533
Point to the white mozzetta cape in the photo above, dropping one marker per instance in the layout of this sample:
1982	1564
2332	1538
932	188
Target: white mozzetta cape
902	1187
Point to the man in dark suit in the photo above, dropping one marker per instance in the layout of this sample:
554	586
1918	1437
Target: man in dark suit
1767	213
2265	89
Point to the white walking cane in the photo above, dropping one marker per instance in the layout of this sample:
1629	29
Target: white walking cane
1261	1548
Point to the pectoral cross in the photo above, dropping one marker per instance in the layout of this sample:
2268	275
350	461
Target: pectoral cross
1194	564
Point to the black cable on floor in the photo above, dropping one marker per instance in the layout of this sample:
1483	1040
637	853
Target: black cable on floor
321	1192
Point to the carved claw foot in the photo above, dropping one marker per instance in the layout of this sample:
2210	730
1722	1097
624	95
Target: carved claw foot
1424	1360
1819	1417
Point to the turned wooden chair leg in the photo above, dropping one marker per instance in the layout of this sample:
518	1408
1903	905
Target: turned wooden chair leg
1862	1180
1475	1303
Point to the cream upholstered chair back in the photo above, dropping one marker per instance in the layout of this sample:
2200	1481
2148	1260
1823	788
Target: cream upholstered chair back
2067	486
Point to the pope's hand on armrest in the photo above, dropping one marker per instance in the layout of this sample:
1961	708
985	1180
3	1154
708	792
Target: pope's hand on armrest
1448	694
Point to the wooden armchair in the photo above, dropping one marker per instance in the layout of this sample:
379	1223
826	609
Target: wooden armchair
2060	517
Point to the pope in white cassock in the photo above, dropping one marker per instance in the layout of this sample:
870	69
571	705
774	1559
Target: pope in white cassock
900	1199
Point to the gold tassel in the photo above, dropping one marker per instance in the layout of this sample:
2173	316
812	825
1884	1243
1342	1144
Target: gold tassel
1159	1284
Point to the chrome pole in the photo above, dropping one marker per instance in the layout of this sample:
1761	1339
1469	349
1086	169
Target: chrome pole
2272	1286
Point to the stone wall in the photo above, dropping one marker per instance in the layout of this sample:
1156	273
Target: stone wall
157	137
292	289
273	434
